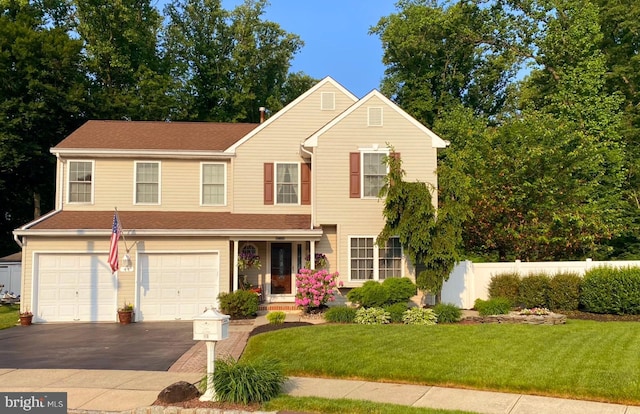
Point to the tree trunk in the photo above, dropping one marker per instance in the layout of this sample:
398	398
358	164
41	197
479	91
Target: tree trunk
36	205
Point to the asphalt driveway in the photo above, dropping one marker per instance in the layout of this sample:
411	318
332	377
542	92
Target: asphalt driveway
148	346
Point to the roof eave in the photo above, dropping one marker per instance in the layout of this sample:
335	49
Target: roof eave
140	153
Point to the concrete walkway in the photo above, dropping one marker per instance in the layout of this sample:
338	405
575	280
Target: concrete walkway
110	391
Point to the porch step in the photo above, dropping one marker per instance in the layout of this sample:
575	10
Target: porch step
286	307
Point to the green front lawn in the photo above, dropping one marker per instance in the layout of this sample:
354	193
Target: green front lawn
582	359
9	315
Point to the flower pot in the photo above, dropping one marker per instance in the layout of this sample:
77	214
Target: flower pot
25	320
125	317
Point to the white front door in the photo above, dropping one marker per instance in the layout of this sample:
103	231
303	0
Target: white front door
74	287
176	286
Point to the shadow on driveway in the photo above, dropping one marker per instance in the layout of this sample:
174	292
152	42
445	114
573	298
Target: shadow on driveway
147	346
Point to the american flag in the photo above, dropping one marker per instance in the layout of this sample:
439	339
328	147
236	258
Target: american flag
113	248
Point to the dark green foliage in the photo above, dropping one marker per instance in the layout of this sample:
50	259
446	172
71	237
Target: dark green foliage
534	291
370	295
276	318
505	285
340	314
447	313
257	381
495	306
608	290
395	311
564	291
400	289
239	304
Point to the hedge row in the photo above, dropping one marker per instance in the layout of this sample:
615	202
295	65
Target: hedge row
601	290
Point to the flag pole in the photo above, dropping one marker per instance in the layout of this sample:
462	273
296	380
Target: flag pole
122	233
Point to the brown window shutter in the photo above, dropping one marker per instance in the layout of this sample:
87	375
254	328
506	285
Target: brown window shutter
354	175
305	182
268	183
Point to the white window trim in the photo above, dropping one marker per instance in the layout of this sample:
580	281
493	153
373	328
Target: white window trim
376	260
372	150
369	124
224	173
93	182
135	183
275	184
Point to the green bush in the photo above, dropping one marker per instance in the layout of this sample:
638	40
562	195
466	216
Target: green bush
395	311
240	304
370	295
534	291
564	291
400	289
447	313
614	291
276	318
419	316
505	285
247	382
340	314
371	316
495	306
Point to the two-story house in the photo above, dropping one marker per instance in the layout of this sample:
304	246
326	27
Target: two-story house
193	197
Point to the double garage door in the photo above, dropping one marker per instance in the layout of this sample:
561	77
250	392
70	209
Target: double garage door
80	287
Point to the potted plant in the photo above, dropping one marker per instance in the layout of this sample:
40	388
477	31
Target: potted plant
26	318
125	314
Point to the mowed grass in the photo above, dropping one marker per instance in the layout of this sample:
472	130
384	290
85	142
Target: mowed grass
582	359
340	406
9	315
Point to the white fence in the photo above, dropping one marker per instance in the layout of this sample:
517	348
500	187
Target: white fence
470	281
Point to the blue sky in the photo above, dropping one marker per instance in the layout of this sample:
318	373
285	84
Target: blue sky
335	33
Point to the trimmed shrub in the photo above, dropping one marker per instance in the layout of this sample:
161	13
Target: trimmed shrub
495	306
614	291
564	291
240	304
447	313
340	314
371	316
247	382
400	289
395	311
505	285
276	318
419	316
370	295
534	291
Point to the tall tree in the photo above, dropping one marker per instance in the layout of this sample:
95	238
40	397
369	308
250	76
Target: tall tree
439	55
128	77
41	101
229	63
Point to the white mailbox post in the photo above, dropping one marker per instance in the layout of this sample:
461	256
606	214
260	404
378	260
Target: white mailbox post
211	326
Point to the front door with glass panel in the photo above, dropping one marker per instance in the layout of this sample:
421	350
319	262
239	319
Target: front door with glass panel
281	269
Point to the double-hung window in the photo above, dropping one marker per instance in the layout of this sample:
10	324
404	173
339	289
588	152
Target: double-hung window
287	183
147	185
213	184
80	181
374	171
370	262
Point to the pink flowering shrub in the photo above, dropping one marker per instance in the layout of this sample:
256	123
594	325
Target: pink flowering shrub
314	288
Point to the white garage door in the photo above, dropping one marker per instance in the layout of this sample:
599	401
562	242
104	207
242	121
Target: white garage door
74	287
176	286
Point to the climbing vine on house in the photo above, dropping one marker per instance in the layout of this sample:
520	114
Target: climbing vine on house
431	239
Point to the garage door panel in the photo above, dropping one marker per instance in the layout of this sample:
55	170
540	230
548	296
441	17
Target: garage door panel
177	286
74	287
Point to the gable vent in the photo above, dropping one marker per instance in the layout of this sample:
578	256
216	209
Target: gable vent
375	116
327	101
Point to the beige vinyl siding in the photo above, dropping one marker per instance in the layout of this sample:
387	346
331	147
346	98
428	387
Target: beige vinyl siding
327	245
279	142
126	280
114	181
357	216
